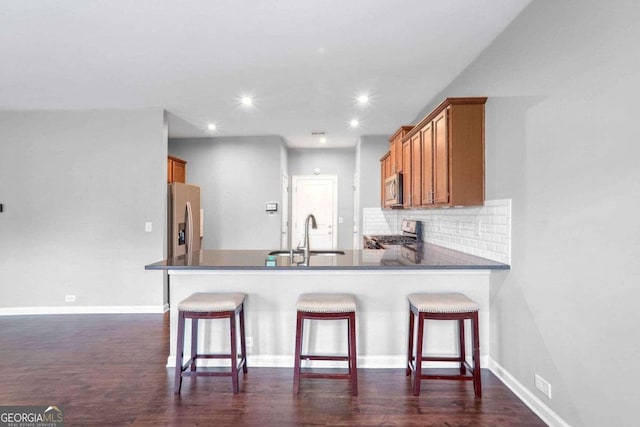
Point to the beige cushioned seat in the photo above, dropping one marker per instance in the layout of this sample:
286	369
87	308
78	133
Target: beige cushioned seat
326	303
206	301
443	303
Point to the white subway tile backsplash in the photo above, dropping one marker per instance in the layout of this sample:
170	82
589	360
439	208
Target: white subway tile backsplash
483	231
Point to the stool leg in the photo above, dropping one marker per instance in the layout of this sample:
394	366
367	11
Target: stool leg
243	343
417	374
410	346
194	343
234	352
298	352
179	353
353	354
463	356
477	385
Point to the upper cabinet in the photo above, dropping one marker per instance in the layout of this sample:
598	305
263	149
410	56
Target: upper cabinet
395	148
176	170
443	156
385	172
392	163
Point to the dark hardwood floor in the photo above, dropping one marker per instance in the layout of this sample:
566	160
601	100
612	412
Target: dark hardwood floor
110	370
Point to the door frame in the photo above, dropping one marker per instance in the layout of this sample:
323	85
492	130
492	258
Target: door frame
284	224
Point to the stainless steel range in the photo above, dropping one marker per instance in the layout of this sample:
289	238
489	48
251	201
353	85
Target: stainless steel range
411	235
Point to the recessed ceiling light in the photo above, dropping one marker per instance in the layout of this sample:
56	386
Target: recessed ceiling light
363	99
354	123
212	126
323	140
247	101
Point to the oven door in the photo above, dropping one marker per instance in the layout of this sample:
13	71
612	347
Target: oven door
393	191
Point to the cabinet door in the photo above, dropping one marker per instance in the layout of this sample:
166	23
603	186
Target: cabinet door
179	172
441	158
392	156
427	164
385	172
406	173
416	169
396	155
176	170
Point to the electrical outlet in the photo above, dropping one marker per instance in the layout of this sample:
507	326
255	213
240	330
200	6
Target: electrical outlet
479	229
148	226
543	385
69	298
249	341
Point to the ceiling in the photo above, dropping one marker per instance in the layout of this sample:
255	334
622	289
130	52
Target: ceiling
304	62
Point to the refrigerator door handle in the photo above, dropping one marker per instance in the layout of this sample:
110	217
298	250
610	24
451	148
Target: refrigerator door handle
190	224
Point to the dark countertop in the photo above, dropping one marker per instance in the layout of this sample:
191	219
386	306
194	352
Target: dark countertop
426	257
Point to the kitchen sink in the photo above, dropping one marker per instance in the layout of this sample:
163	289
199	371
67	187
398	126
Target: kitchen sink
298	252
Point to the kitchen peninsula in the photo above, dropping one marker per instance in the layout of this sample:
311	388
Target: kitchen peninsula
380	280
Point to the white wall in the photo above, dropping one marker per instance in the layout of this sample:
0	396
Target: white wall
237	176
77	189
338	162
562	142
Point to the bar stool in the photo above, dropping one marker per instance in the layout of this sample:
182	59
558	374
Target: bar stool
326	306
443	306
210	306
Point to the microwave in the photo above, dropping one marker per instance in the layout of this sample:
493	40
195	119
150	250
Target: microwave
393	190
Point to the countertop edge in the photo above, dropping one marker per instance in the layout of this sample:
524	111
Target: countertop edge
354	268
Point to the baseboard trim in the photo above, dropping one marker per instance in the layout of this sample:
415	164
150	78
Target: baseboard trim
532	401
116	309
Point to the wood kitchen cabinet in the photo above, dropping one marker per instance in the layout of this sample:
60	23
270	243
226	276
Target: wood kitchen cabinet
412	171
440	150
395	148
443	156
385	172
426	136
406	173
452	153
176	170
416	170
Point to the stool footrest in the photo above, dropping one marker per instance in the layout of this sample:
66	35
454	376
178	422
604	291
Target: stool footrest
214	356
320	357
442	359
446	377
325	375
206	374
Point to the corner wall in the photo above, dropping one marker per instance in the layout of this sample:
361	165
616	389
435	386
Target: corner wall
562	143
77	189
237	177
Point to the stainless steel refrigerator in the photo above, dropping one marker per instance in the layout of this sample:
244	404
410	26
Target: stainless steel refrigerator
184	216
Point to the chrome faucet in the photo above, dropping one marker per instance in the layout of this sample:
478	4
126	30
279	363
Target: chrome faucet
305	245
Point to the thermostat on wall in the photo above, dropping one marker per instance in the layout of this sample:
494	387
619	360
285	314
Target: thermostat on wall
272	207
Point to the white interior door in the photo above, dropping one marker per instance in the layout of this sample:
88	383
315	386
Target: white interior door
284	227
317	195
